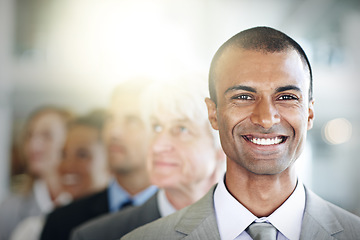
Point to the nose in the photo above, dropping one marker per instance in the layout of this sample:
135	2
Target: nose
162	142
67	163
265	114
35	143
113	130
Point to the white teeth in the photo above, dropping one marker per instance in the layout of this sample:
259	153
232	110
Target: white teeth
70	179
266	141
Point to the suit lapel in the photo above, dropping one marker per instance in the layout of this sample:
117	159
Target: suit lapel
318	222
149	211
99	204
199	221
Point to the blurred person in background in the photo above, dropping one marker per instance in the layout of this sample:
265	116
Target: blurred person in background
126	143
83	169
42	144
185	158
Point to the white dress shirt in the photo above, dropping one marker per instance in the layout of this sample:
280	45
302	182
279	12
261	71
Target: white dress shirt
164	205
233	218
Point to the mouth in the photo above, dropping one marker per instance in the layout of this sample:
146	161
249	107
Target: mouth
164	161
70	179
114	148
263	141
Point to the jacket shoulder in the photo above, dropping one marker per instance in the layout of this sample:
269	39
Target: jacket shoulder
63	219
115	225
327	219
191	220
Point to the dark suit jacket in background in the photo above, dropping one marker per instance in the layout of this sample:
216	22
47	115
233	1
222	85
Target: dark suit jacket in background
115	225
322	221
63	220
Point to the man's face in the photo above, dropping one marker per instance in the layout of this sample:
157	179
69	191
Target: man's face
125	136
263	110
181	153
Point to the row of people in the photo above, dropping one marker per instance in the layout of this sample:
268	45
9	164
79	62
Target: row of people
158	135
163	155
65	160
261	102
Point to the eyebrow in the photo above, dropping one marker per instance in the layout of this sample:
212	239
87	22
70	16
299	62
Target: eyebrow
240	87
251	89
287	88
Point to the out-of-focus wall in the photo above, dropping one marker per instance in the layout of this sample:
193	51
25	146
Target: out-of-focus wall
6	33
73	53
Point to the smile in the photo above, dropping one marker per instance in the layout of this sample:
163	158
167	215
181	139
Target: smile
70	179
265	141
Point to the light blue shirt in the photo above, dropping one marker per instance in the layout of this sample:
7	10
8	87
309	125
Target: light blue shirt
233	218
117	196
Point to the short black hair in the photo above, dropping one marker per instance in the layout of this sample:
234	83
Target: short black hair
263	39
94	119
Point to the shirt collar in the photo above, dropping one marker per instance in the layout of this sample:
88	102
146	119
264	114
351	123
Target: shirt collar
287	218
118	195
164	205
42	196
230	224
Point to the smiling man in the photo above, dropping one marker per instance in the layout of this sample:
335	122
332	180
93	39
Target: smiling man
261	102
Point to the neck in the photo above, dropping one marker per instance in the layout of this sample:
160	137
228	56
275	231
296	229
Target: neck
53	184
261	194
133	182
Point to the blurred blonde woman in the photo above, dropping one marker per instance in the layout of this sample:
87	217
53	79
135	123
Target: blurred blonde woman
43	140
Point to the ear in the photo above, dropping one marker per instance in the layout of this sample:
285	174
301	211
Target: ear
311	115
212	113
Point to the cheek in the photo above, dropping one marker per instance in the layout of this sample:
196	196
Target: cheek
201	161
298	119
231	117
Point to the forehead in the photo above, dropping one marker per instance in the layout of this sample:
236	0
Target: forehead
46	120
238	66
81	133
125	104
166	117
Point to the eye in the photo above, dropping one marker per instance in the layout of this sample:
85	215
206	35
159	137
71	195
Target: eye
180	130
82	153
288	97
183	129
46	135
157	128
242	97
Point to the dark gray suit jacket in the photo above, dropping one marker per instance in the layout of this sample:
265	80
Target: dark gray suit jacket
322	220
63	220
113	226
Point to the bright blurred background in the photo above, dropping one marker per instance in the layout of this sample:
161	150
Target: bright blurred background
73	52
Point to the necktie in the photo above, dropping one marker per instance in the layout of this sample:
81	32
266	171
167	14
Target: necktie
127	203
262	231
